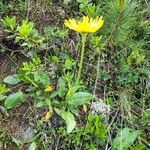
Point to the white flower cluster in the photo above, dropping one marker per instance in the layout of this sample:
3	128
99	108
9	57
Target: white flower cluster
100	107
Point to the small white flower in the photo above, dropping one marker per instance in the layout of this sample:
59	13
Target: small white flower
100	107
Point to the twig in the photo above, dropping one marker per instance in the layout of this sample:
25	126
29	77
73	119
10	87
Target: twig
12	60
18	50
113	119
110	124
57	143
28	8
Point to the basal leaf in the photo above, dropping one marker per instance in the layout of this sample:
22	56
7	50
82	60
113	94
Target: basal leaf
69	119
2	97
13	99
79	98
12	79
125	139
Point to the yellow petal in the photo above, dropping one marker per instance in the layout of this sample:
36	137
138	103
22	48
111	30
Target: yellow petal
85	108
86	25
49	89
48	116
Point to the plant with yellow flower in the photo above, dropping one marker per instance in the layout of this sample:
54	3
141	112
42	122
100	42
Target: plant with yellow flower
85	26
49	88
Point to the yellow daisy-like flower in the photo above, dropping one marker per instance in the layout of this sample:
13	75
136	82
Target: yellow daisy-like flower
49	89
87	25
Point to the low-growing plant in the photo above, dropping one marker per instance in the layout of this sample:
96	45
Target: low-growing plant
67	99
14	99
10	100
126	138
3	89
64	101
89	135
29	35
88	8
25	34
10	24
115	67
34	73
19	6
129	72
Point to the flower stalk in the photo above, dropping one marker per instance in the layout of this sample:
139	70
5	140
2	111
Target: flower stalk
84	26
82	57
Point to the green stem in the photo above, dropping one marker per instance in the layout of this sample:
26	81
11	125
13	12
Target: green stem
82	57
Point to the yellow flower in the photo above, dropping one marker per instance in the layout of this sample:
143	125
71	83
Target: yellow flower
85	108
48	116
49	89
87	24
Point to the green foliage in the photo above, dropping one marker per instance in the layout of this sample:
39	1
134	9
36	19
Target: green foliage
65	100
120	19
51	32
32	146
90	136
70	120
29	35
146	116
95	128
12	80
139	146
129	70
3	89
10	24
125	139
71	100
88	8
4	138
2	97
13	100
25	34
97	43
128	74
116	70
62	90
34	73
17	6
68	63
75	99
135	56
16	141
79	98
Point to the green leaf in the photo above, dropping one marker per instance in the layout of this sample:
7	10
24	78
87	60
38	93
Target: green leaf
3	89
16	141
68	63
146	116
9	23
2	97
13	99
79	98
3	110
125	139
40	104
62	87
12	79
70	120
32	146
139	146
